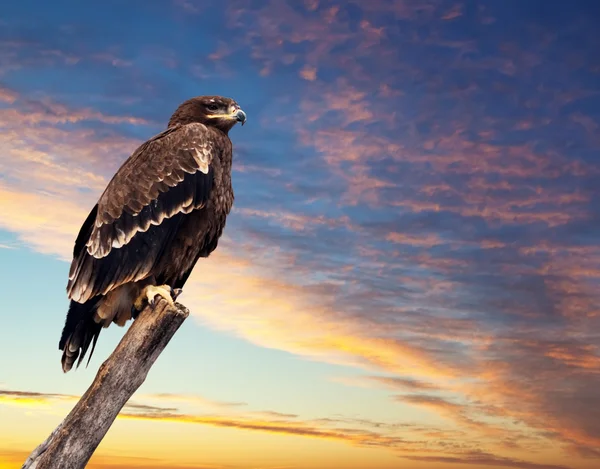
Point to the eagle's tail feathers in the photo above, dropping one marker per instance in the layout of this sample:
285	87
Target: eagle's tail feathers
94	340
79	332
90	337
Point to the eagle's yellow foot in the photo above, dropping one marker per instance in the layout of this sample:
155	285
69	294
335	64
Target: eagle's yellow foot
148	295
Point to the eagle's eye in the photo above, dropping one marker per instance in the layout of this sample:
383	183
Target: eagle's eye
212	107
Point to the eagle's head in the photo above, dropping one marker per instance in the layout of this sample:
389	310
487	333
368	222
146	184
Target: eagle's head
214	111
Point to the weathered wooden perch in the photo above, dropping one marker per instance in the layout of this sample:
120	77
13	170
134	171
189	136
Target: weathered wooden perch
72	443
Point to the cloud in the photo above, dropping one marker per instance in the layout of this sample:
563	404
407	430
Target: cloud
295	221
275	415
360	438
198	401
46	111
188	6
37	399
485	460
112	59
30	399
7	95
403	383
145	409
309	73
47	230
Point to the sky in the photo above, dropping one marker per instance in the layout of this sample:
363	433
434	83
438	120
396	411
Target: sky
410	275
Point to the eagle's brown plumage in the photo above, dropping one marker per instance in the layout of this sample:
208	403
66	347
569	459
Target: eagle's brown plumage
164	209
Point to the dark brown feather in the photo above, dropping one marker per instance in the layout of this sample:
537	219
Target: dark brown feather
164	177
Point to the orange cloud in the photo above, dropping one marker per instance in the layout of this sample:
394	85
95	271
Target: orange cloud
309	73
482	459
44	154
29	214
39	399
50	112
194	400
7	95
454	155
398	383
295	221
454	12
296	429
426	240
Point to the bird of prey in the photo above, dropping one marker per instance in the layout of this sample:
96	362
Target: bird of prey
164	209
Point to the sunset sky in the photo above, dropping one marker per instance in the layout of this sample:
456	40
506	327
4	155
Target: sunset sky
410	276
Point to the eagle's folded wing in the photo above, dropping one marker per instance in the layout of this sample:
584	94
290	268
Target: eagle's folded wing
135	217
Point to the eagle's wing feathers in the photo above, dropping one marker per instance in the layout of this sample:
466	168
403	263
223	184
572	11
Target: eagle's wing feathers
169	174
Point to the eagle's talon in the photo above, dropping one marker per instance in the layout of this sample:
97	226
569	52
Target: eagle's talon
148	297
153	291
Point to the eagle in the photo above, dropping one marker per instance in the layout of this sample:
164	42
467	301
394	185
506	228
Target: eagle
165	208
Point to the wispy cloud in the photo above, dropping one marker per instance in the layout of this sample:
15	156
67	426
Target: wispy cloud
40	399
193	400
7	95
29	398
297	429
485	460
403	383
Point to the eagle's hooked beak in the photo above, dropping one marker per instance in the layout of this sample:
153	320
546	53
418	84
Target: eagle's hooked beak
240	116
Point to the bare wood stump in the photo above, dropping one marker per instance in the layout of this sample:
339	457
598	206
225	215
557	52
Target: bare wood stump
72	443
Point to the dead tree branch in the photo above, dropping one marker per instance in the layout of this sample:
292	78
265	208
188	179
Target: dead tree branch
72	443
